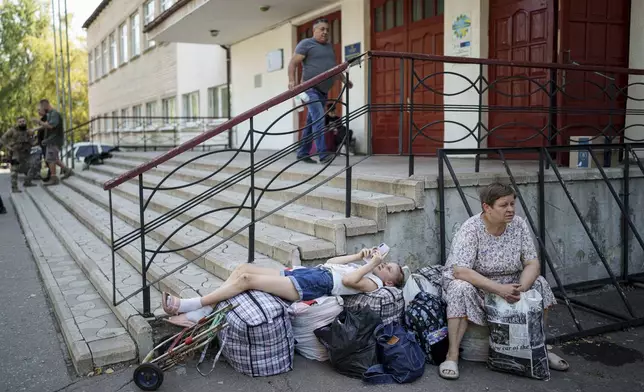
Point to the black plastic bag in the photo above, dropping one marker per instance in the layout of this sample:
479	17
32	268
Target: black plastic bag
351	342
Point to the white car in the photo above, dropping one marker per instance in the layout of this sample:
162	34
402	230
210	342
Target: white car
84	149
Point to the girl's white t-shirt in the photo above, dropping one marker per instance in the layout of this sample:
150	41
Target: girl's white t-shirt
340	270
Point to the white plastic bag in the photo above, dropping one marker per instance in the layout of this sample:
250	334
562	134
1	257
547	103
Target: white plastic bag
517	337
417	283
307	318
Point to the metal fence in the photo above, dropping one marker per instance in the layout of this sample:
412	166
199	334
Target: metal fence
496	115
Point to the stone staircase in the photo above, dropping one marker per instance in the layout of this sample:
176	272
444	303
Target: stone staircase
72	221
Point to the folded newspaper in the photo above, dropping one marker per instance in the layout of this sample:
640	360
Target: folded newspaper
517	337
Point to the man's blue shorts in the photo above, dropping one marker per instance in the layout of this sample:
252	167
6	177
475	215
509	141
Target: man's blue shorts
311	283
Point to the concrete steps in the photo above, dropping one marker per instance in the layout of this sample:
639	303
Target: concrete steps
365	204
93	257
284	245
93	334
407	188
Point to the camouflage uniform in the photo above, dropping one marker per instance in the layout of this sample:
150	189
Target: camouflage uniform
19	143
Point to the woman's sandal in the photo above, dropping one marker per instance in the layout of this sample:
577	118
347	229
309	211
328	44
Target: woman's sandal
555	362
446	367
171	308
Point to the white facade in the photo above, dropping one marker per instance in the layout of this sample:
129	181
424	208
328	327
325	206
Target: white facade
254	84
131	75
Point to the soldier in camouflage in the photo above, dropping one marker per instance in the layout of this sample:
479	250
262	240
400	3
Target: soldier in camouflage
18	141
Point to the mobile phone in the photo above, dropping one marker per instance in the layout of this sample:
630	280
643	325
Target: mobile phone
383	248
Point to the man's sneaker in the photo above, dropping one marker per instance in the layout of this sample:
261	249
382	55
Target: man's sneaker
67	173
307	160
3	211
52	181
28	185
15	189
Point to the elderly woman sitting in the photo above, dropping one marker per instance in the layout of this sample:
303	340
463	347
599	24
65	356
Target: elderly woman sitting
492	252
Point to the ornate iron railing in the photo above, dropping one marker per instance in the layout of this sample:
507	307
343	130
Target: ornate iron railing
425	109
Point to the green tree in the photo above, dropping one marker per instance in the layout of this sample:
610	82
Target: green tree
28	66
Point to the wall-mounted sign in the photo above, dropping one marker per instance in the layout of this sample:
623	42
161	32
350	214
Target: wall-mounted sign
462	36
352	51
275	60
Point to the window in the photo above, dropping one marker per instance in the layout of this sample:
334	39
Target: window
108	123
191	105
106	58
124	120
123	48
218	102
169	108
97	65
150	111
149	17
137	113
391	15
165	4
114	62
423	9
90	61
136	34
115	120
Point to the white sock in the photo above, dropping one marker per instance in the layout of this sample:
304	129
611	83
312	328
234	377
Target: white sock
198	314
188	304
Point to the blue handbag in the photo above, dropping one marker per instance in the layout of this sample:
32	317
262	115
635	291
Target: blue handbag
400	357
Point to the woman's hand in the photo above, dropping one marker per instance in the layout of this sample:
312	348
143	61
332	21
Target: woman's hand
509	292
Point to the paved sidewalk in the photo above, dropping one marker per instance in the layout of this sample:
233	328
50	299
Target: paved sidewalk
32	354
611	363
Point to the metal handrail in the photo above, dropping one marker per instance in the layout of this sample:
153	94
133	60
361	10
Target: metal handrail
285	96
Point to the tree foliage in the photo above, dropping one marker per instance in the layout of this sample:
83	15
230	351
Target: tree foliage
27	65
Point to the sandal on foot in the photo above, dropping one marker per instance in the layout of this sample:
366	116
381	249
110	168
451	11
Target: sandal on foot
170	307
446	367
180	321
555	362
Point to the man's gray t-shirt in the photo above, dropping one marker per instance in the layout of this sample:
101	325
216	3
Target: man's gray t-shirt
56	135
318	58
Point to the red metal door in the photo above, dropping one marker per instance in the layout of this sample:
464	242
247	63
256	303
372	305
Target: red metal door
306	31
592	33
405	26
522	31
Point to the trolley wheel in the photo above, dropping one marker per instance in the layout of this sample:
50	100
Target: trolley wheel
148	377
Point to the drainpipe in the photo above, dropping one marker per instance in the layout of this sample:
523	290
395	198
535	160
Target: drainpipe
228	82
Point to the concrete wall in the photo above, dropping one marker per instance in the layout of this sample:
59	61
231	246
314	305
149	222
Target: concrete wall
199	67
414	236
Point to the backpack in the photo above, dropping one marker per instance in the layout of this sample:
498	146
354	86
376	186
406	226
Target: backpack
400	358
426	318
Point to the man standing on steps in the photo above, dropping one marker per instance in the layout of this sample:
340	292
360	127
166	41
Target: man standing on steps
53	142
19	141
316	56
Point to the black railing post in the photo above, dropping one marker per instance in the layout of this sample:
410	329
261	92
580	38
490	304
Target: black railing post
441	207
369	107
411	117
401	120
144	269
251	228
625	198
347	185
479	125
109	195
552	112
145	141
542	210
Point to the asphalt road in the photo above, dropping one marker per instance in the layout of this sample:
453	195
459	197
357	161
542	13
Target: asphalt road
32	354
